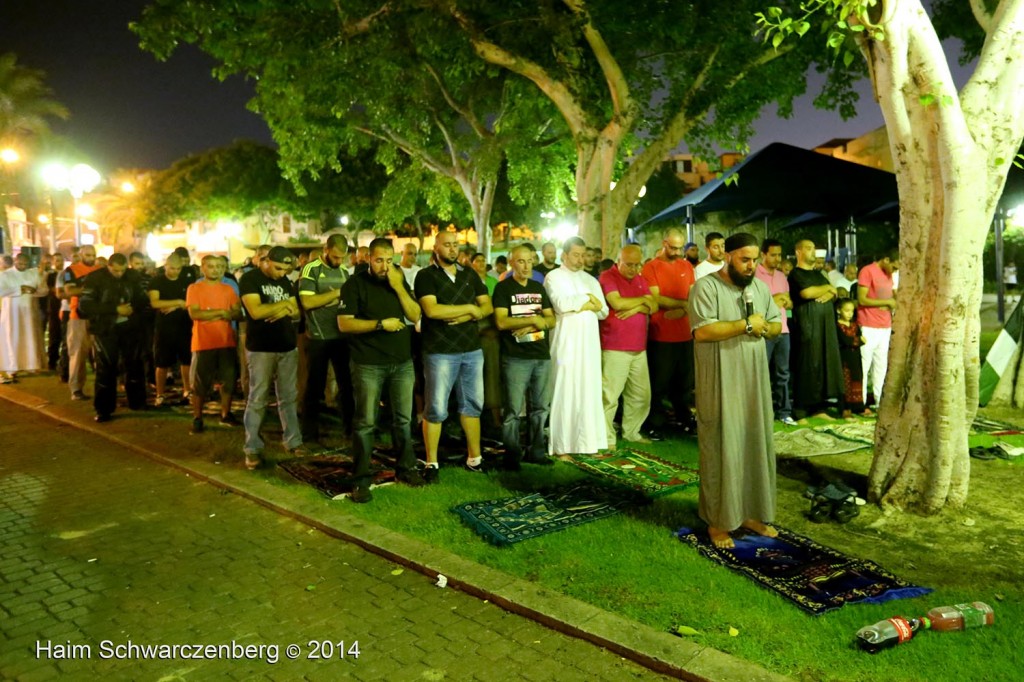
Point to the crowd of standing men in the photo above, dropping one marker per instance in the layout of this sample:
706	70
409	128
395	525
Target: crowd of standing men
565	348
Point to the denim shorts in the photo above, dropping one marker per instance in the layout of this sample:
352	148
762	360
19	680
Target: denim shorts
442	372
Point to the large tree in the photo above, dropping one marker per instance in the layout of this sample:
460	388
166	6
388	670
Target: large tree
951	151
26	103
332	77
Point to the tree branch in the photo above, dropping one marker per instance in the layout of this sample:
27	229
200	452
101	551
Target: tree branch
618	87
981	15
464	112
425	157
452	151
351	29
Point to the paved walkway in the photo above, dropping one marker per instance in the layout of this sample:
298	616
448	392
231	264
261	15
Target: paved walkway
102	549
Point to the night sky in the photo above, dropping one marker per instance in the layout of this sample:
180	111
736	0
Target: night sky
129	110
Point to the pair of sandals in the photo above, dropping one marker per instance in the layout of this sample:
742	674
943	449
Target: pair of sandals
1000	450
836	501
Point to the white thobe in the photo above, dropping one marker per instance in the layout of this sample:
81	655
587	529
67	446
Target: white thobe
577	415
21	333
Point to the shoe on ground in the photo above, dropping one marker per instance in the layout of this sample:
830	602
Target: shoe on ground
411	478
197	426
788	421
301	451
186	399
652	436
642	440
230	420
159	401
253	462
431	475
79	395
103	418
475	468
361	493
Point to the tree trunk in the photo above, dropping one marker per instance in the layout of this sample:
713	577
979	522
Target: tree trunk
599	224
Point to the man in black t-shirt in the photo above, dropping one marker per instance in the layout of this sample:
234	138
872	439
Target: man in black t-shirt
523	314
273	356
374	306
173	336
453	299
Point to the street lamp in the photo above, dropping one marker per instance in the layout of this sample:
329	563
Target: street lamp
77	180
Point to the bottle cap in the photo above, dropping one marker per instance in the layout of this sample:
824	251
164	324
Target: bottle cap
926	623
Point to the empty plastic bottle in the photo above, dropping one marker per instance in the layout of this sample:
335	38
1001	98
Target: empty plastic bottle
961	616
888	633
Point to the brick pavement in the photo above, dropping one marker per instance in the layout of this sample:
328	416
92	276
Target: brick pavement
98	544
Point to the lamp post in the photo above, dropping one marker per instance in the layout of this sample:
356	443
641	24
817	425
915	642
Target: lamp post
77	180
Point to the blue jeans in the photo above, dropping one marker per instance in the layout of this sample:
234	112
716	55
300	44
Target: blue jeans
442	372
281	370
522	378
367	382
778	362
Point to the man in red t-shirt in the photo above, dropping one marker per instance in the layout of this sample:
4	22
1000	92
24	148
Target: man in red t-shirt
212	305
670	343
876	302
624	345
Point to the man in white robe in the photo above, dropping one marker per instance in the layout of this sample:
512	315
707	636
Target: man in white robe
21	331
577	415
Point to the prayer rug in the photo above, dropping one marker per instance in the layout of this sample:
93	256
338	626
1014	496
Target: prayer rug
823	440
814	577
332	474
638	470
512	519
995	428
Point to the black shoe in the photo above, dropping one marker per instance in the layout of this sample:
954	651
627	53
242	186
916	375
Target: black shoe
654	435
475	468
78	395
230	420
103	418
411	478
361	493
541	461
197	427
431	475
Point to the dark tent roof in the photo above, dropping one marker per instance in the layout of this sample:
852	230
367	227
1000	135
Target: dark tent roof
787	179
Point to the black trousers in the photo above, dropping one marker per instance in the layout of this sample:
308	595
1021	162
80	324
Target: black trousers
119	345
56	335
62	353
318	354
672	375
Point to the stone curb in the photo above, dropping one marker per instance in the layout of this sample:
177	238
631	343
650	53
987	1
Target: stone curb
659	651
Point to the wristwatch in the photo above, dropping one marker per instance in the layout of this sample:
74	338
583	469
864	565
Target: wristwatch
750	327
380	325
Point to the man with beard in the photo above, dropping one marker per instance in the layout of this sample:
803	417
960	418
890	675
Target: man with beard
814	355
691	253
374	307
876	302
732	314
548	252
453	300
78	339
173	337
21	335
715	245
110	302
319	292
670	343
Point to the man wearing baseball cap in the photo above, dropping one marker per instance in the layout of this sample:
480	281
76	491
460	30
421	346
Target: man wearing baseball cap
270	346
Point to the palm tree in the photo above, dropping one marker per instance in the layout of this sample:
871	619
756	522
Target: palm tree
26	104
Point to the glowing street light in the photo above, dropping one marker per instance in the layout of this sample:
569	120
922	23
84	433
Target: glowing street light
77	180
9	156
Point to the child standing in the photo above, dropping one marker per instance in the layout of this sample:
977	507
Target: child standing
850	341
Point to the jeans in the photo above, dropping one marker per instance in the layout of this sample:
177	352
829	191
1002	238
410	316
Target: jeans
318	354
464	372
521	378
368	382
778	362
119	345
281	369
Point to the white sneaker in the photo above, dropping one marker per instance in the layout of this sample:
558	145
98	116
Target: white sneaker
788	421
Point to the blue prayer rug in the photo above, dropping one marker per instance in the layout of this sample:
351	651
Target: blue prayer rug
814	577
513	519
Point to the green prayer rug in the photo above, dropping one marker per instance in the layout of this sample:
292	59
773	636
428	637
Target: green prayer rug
638	470
513	519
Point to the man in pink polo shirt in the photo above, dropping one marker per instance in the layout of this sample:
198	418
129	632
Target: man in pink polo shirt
670	343
876	303
624	345
778	348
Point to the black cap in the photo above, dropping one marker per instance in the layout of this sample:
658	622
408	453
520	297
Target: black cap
280	254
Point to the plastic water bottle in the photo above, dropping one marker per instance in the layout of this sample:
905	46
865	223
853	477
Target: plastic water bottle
961	616
888	633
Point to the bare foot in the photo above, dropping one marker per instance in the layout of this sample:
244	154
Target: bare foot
564	457
867	413
847	414
825	416
760	528
720	538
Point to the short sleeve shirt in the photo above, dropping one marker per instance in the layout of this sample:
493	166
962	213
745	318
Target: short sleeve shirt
439	337
211	334
800	279
523	300
624	335
879	286
367	298
171	290
317	278
263	336
777	284
673	279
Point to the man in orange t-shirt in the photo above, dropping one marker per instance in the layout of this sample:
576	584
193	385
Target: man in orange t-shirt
670	342
79	342
212	305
